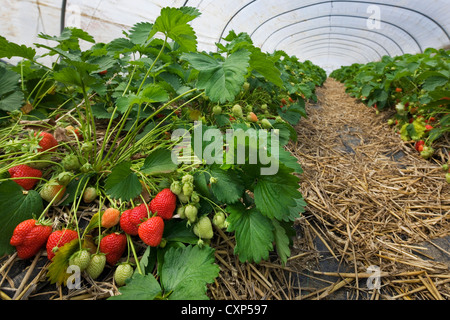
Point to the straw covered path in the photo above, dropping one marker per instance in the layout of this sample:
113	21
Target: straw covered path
376	211
372	201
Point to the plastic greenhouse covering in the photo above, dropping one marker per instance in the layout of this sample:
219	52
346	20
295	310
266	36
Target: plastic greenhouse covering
329	33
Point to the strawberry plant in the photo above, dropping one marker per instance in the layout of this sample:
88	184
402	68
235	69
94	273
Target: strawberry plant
114	134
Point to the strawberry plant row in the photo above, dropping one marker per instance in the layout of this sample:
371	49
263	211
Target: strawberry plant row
414	86
97	129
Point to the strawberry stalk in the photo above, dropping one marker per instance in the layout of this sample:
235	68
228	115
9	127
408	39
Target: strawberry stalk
121	148
49	205
153	64
131	245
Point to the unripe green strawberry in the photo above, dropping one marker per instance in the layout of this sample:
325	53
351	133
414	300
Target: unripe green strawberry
219	220
89	195
52	191
237	111
183	198
188	188
176	187
217	110
266	124
64	178
427	152
71	162
246	86
86	147
96	265
264	107
195	198
180	212
212	180
203	228
188	178
86	168
81	259
278	119
123	272
447	177
190	211
151	231
249	108
445	167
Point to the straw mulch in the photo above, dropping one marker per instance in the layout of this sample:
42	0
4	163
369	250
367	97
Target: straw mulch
373	205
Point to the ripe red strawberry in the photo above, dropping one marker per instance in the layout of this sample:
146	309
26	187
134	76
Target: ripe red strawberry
428	127
48	142
398	90
419	145
132	218
113	245
151	231
58	239
164	204
29	237
24	171
283	101
51	190
110	217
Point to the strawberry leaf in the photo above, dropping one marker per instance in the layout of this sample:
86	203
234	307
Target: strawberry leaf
159	161
274	194
140	33
122	183
253	231
16	207
229	186
222	80
57	271
11	98
10	49
186	271
260	63
151	93
173	22
281	241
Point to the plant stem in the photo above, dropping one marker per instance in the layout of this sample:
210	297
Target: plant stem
138	265
153	64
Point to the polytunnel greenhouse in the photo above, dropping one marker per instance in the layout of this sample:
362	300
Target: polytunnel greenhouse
225	150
